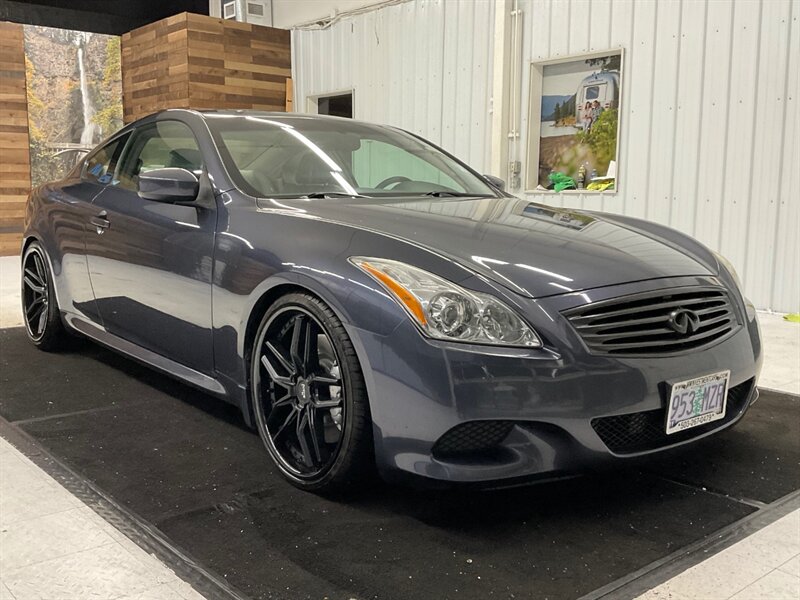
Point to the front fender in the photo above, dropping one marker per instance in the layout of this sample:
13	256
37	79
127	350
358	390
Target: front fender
352	308
346	303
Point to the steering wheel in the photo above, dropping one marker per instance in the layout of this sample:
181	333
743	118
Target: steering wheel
389	181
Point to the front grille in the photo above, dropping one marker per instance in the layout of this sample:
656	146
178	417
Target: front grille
639	324
642	431
470	437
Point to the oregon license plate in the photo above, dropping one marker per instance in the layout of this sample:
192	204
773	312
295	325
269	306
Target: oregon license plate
697	401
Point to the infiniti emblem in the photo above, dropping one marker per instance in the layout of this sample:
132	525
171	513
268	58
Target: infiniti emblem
684	321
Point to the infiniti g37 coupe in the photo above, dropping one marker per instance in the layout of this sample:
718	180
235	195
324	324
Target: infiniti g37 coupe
368	300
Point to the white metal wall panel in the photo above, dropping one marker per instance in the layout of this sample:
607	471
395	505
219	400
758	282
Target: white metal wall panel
662	119
713	127
424	66
771	123
685	174
741	130
787	257
709	124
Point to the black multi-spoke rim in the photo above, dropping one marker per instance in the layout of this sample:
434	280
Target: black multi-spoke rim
299	387
35	294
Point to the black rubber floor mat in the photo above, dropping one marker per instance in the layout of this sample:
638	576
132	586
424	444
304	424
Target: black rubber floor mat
758	459
186	463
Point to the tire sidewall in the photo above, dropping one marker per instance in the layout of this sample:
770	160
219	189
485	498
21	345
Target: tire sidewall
347	371
52	325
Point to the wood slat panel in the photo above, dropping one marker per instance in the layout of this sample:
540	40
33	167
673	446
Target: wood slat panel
15	162
10	243
154	68
195	61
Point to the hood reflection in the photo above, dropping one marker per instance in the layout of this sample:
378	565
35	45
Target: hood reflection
533	250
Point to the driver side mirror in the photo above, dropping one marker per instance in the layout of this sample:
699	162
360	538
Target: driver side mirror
495	181
172	185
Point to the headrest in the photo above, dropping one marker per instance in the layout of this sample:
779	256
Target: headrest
185	158
311	170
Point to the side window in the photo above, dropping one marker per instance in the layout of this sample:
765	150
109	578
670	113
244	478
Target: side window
99	167
156	146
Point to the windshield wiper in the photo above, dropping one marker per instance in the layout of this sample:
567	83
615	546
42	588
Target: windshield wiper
332	195
446	194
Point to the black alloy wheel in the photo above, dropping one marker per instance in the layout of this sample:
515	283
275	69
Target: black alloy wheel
309	395
39	306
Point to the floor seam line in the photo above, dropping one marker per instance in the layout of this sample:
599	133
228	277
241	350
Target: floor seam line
751	583
75	413
58	512
756	504
52	558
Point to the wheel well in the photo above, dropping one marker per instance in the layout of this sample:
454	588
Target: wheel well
28	241
261	307
253	321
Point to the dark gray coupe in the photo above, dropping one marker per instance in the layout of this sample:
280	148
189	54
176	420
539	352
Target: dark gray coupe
368	300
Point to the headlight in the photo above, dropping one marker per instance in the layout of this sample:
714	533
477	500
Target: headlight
726	264
446	311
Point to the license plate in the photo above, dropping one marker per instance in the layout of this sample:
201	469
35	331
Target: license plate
697	401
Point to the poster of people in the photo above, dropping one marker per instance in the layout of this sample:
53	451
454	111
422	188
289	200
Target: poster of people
579	121
74	88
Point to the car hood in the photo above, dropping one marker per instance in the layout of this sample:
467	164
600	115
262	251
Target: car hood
532	249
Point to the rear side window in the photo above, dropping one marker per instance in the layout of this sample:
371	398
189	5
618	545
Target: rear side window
99	167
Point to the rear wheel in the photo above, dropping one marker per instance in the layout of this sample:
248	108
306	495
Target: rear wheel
309	397
39	306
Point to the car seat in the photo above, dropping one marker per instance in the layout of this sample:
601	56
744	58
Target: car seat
185	158
313	175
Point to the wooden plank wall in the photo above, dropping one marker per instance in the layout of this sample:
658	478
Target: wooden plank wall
195	61
237	65
15	167
155	68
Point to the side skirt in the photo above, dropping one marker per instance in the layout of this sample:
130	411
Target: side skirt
149	358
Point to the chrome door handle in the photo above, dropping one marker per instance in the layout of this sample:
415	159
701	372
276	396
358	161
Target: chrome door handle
100	222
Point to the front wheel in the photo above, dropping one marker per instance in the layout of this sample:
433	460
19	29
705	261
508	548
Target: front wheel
309	398
39	306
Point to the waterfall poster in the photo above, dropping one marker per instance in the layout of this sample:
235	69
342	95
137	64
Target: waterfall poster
74	88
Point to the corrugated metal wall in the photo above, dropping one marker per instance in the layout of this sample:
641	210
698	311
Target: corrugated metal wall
425	66
710	125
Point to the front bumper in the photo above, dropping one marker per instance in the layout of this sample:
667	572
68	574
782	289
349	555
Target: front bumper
551	400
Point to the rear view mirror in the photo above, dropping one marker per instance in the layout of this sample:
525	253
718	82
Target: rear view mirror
169	185
495	181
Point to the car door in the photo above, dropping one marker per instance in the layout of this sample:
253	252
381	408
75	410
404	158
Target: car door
67	211
150	262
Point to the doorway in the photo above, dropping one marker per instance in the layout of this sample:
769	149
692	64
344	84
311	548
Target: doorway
337	105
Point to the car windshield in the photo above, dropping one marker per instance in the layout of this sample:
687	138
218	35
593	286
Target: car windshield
309	157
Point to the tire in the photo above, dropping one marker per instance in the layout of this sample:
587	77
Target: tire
40	310
309	398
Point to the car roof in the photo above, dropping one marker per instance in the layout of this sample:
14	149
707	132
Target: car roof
283	117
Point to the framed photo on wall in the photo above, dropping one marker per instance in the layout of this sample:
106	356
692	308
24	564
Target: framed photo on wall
574	123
